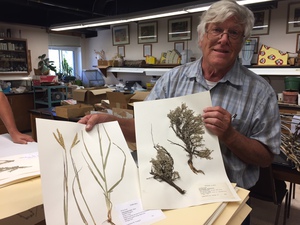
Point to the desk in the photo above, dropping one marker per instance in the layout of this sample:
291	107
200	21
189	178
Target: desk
22	196
287	173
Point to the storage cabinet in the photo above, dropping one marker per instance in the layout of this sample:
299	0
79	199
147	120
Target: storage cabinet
20	104
13	56
52	95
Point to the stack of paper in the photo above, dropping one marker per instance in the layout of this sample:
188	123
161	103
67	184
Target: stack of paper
17	162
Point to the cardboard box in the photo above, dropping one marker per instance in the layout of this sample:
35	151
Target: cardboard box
90	95
124	100
73	111
118	99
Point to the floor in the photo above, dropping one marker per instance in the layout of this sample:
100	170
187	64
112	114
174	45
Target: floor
263	213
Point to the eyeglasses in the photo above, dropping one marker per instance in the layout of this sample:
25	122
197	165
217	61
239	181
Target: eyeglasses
215	33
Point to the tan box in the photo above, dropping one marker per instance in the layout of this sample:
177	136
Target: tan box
90	95
125	101
118	99
73	111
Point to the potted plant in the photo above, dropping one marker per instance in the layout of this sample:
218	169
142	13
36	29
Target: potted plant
44	66
67	71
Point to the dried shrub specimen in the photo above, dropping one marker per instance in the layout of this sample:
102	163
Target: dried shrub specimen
190	129
163	168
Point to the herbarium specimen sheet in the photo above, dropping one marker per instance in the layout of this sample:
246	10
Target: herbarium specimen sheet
87	177
180	162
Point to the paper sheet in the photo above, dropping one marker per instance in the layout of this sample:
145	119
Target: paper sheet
17	162
107	173
153	129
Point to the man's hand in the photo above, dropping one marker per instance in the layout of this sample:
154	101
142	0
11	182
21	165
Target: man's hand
20	138
218	121
93	119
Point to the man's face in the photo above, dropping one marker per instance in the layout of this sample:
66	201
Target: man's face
222	43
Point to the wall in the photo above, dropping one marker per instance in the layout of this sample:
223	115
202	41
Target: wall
38	41
277	38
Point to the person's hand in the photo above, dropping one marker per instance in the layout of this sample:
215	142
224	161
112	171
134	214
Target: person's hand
20	138
218	121
93	119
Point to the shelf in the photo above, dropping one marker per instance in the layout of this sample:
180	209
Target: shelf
270	71
273	71
59	91
14	56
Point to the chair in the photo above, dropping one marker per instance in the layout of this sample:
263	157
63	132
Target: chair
272	190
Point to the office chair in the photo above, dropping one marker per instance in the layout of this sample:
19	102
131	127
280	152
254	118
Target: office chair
272	190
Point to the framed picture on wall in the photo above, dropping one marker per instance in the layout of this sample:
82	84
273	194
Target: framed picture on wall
121	51
293	21
256	39
147	32
262	22
179	46
180	29
147	50
298	43
120	35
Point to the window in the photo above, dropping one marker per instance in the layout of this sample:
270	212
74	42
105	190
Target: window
58	54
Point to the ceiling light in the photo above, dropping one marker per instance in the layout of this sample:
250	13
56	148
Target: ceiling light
142	16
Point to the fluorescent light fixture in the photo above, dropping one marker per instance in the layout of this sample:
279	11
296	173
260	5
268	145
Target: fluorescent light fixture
260	27
291	22
155	16
204	7
142	16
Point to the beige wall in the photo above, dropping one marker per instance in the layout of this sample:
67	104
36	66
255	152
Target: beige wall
38	40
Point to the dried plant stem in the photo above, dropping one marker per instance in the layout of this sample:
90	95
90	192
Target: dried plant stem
76	178
60	140
103	178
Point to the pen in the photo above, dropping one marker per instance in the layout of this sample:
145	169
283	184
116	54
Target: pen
233	117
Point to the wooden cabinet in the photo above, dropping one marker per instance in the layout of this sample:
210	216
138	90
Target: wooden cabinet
20	104
13	56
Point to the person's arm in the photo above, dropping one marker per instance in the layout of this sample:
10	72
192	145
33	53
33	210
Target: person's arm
218	121
7	117
127	125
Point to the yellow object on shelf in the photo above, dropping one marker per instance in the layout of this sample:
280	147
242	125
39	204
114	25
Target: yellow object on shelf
150	59
271	57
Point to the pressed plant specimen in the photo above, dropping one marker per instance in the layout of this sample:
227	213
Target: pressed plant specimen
9	168
189	129
101	175
59	138
163	168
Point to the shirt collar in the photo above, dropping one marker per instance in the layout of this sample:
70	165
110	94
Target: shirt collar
233	76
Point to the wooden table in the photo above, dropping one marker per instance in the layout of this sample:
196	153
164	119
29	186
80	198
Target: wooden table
286	172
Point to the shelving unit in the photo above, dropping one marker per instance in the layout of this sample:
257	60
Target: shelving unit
14	58
53	95
270	71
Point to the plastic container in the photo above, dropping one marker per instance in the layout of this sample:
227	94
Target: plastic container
292	83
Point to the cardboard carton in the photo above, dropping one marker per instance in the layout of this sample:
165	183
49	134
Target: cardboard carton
73	111
90	95
124	100
118	99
